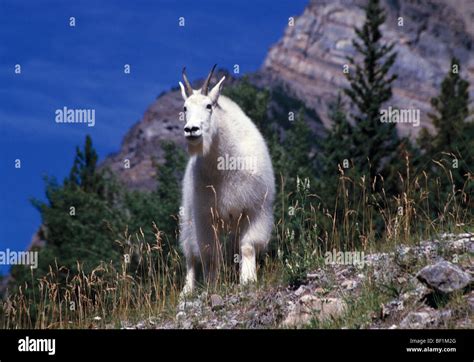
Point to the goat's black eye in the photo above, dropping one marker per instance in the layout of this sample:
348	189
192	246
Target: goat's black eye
209	106
185	109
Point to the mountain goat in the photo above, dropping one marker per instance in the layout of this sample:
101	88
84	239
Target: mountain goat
228	181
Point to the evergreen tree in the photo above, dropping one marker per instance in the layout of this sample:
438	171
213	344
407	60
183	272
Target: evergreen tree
160	206
81	219
337	146
374	142
83	172
452	144
450	118
335	153
169	176
299	158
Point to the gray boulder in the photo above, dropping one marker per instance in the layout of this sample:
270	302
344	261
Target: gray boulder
444	277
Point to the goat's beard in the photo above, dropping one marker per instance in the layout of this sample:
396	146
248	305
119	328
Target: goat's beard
195	149
202	148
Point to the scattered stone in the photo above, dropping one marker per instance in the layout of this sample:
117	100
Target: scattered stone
401	280
420	320
180	316
391	307
300	290
405	256
216	302
310	306
444	277
233	299
425	318
140	325
470	301
349	284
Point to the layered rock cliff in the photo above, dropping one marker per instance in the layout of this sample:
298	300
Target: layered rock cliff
311	55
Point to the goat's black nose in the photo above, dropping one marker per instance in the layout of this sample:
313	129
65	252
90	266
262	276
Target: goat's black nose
191	129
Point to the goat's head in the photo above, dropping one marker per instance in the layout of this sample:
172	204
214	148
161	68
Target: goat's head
200	128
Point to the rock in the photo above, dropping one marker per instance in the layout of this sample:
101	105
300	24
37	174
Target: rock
420	320
300	290
417	293
140	325
444	277
425	318
349	284
391	307
180	316
470	301
458	243
405	256
216	302
310	306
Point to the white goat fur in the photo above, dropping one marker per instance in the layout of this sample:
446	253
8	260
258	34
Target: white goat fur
242	199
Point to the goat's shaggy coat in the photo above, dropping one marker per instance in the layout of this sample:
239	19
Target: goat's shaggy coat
238	199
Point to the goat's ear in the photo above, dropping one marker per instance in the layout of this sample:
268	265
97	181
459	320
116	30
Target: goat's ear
216	91
183	91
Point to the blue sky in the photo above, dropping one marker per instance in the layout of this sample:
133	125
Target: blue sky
82	67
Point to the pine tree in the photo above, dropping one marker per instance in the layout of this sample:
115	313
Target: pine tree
451	112
299	158
80	219
337	145
452	144
335	153
160	206
83	172
370	87
169	176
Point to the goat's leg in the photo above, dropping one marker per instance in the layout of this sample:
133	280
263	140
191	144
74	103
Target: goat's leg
248	264
256	235
190	276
